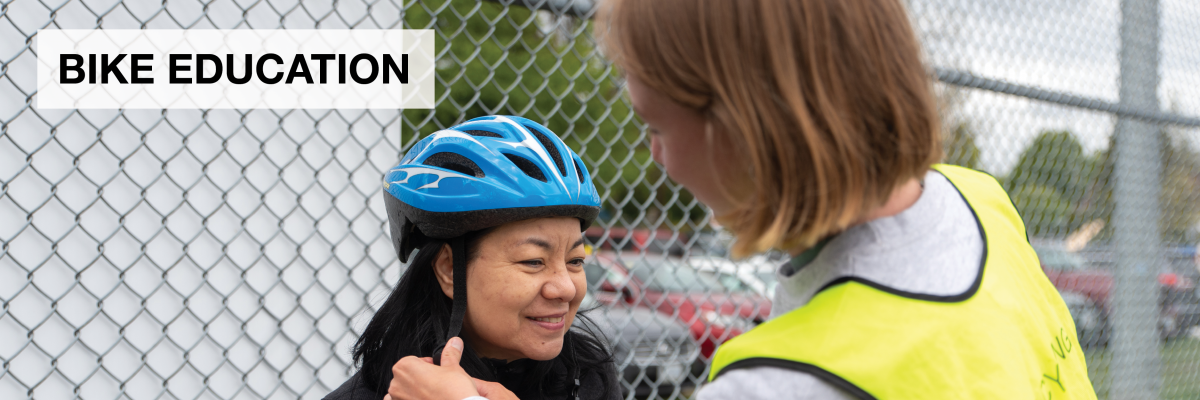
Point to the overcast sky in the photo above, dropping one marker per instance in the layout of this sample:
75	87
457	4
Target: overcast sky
1070	46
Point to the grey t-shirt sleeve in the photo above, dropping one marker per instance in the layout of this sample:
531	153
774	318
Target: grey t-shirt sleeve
769	383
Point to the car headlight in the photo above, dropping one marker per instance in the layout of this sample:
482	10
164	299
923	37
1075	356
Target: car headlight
727	321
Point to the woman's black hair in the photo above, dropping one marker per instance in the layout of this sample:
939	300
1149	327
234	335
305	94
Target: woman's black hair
416	316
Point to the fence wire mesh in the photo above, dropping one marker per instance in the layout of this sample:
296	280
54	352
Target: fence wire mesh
237	254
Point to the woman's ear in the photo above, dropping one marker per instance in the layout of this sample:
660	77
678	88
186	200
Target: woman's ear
443	268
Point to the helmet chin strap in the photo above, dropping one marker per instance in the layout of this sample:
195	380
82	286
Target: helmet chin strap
574	388
458	251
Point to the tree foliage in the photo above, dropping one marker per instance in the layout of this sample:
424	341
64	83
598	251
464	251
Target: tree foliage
1050	184
1179	198
1057	188
959	145
495	59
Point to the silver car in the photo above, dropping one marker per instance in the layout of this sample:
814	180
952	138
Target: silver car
655	353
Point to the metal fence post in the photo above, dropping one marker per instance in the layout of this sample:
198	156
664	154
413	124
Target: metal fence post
1135	344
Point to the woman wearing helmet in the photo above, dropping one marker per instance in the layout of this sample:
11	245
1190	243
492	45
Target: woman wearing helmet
494	208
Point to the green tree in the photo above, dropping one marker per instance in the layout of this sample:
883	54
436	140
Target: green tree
959	146
1181	189
1050	183
1179	196
1043	208
494	59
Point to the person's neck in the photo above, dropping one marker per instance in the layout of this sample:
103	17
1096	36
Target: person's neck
903	197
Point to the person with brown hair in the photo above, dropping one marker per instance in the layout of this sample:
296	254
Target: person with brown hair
809	126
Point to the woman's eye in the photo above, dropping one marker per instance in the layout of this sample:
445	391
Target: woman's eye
578	262
653	131
533	263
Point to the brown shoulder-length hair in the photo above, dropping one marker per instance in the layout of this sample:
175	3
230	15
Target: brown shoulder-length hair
827	101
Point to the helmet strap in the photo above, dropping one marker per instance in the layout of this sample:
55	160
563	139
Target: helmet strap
574	360
458	252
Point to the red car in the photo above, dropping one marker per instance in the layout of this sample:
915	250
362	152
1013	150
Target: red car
638	241
1087	291
713	313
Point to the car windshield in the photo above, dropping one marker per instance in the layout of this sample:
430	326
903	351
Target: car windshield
1059	259
769	279
730	282
669	278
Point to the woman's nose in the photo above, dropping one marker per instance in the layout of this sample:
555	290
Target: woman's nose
560	286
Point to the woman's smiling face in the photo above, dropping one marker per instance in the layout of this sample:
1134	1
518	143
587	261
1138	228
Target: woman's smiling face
523	288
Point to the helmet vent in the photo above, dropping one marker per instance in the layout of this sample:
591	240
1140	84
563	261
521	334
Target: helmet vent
526	166
454	162
550	148
579	171
477	132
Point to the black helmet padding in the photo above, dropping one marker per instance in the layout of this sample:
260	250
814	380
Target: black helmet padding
411	225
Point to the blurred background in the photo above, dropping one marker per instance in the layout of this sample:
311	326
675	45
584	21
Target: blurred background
232	254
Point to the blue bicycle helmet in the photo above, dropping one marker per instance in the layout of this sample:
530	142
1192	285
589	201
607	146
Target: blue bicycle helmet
483	173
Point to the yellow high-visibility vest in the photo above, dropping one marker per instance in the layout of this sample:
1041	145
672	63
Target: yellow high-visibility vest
1009	337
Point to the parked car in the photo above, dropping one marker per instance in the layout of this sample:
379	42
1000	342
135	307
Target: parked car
654	352
712	313
1091	322
711	243
1184	299
637	241
1087	289
755	274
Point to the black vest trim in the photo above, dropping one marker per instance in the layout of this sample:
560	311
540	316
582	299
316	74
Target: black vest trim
810	369
970	292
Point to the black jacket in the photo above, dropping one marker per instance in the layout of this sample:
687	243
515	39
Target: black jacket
510	375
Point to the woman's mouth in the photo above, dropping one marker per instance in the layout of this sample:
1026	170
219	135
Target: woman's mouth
553	322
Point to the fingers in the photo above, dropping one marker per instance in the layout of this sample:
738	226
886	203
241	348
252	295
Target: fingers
404	371
387	397
415	378
452	353
480	385
427	359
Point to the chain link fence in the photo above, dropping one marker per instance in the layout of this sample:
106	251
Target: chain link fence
237	254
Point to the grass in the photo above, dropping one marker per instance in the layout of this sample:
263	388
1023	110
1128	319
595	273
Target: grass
1180	369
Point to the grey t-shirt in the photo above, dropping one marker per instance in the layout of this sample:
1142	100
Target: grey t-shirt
934	247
